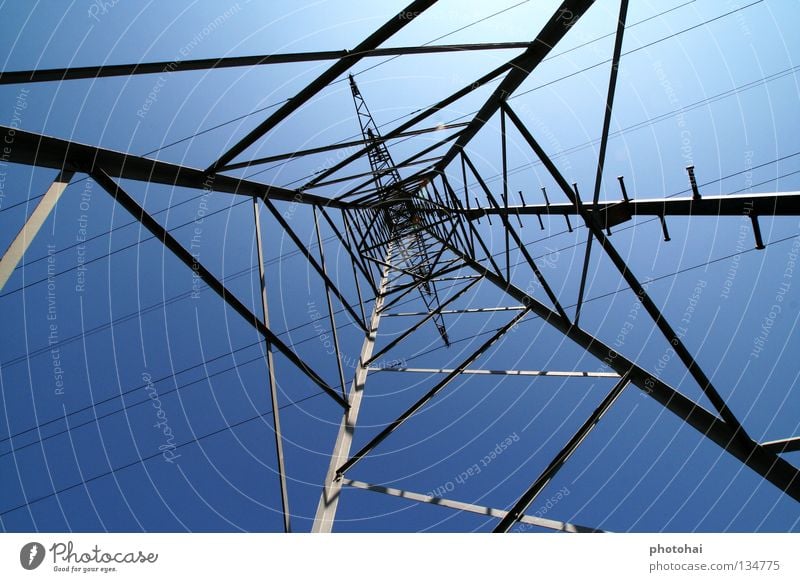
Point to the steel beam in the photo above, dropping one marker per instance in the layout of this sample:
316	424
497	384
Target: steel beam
601	157
789	445
524	502
169	241
16	250
616	212
273	386
33	149
552	373
470	507
164	67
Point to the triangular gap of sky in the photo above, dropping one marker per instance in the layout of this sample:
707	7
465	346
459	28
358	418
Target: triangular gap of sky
135	324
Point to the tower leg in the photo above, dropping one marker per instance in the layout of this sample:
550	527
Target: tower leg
331	489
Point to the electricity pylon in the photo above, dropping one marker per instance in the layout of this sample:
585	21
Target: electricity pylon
403	235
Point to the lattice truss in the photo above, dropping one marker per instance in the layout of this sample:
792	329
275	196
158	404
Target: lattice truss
433	251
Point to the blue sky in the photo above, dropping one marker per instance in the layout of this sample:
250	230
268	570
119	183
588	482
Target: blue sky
719	92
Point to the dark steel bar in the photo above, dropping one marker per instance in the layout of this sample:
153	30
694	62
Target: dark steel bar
379	438
622	188
331	315
601	158
664	227
273	387
789	445
524	502
466	197
693	183
128	203
613	213
161	67
584	273
757	232
32	149
396	23
612	87
504	156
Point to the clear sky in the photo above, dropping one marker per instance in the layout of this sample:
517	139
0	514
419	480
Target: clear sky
108	359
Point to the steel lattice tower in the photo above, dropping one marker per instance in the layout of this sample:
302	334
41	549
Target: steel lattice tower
405	235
